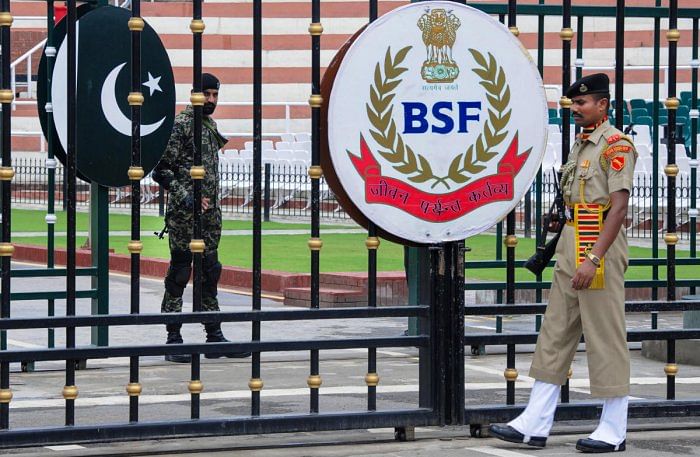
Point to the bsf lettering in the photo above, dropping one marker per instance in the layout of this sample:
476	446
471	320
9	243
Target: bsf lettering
415	117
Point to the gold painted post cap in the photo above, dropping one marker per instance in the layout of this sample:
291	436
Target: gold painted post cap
197	172
372	242
197	26
197	246
6	19
671	238
135	173
372	379
511	374
671	169
566	34
6	250
315	244
5	395
315	100
315	28
671	369
565	102
6	96
136	24
672	103
315	172
133	389
255	384
7	173
135	98
510	241
673	35
70	392
314	381
134	246
195	386
197	99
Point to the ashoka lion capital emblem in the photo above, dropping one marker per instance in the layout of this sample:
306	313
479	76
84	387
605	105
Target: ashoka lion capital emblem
439	29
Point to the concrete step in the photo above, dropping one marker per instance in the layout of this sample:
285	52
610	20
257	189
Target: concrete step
328	297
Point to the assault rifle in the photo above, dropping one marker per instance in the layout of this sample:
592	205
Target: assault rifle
162	233
552	222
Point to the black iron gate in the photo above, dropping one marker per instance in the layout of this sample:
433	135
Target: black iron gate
440	334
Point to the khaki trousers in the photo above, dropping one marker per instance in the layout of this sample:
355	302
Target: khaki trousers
598	314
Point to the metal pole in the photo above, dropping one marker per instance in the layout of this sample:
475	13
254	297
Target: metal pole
619	64
671	170
315	172
7	173
257	195
51	162
135	175
70	390
655	163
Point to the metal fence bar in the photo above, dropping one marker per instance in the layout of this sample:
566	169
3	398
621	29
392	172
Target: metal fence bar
6	251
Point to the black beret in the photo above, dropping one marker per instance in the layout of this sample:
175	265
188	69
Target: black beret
598	83
209	82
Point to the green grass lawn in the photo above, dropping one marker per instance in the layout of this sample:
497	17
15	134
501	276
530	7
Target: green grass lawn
347	252
26	220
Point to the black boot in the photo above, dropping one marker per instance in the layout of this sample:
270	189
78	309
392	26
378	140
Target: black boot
174	337
214	335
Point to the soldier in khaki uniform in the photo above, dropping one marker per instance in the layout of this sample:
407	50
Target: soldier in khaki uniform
588	294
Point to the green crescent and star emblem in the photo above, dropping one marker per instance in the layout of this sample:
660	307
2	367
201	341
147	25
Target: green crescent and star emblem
103	84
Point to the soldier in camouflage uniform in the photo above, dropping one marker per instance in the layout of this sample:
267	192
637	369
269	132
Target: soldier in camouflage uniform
173	174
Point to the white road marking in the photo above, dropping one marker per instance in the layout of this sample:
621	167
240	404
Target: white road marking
495	451
65	447
22	344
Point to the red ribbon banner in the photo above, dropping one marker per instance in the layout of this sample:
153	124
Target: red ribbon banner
438	207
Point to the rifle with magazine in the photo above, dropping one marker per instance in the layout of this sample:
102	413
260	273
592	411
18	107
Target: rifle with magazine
552	222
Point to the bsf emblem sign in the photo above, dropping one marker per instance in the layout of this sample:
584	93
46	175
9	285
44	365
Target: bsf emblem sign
436	122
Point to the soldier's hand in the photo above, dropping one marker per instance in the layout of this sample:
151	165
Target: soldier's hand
584	275
205	203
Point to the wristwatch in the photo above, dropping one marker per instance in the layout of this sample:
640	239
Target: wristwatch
593	258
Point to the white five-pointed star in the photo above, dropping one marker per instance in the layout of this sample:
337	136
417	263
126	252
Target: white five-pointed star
153	83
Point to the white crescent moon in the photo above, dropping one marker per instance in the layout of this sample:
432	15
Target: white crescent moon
113	114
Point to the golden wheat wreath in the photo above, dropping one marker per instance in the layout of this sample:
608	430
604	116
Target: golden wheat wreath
465	165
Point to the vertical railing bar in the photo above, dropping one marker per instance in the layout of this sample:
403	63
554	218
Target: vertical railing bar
510	242
372	280
257	195
70	390
619	63
671	153
197	105
692	211
655	163
566	36
315	172
135	25
538	180
6	209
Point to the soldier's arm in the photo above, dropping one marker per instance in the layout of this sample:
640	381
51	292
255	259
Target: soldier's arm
164	173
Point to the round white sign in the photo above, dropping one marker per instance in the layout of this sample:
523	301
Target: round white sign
437	122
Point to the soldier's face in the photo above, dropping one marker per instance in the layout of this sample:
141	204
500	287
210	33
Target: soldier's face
587	110
212	98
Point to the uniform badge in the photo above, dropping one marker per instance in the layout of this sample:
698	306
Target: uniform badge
617	163
615	138
583	89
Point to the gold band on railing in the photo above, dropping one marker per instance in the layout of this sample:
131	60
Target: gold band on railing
565	102
135	98
195	386
6	19
197	26
673	35
135	173
255	384
6	249
672	103
315	172
197	246
70	392
136	24
197	172
511	374
315	28
314	381
566	34
371	379
315	244
6	96
7	173
671	239
133	389
315	100
514	30
510	241
134	246
671	369
197	99
5	395
372	242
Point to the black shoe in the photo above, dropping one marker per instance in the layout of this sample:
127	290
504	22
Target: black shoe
214	335
174	337
508	433
590	446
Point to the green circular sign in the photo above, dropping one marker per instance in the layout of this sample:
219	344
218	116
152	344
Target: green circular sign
103	142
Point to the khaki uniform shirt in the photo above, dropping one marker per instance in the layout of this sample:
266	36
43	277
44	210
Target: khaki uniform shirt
605	161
